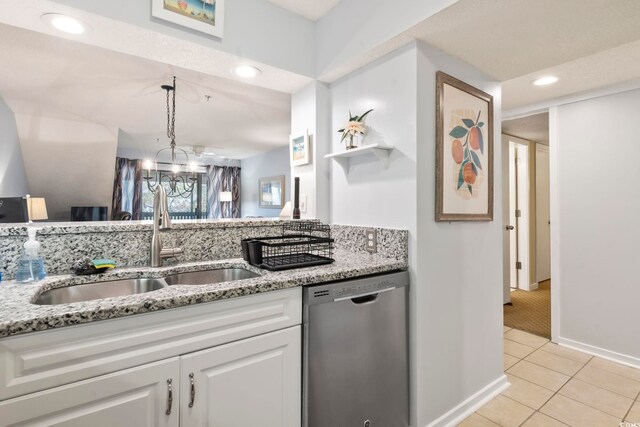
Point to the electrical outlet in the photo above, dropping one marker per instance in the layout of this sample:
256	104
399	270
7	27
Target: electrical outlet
372	240
303	203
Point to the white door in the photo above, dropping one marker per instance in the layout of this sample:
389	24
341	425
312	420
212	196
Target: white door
133	397
247	383
543	232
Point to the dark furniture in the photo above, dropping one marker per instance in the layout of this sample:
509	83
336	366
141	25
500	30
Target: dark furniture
13	209
89	213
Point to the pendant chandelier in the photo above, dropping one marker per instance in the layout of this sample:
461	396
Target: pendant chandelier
181	176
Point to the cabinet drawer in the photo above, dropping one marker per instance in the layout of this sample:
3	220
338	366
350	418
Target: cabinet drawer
41	360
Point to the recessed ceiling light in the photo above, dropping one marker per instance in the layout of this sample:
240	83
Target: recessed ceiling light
544	81
65	23
246	71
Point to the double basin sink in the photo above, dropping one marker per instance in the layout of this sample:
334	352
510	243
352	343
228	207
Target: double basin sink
118	288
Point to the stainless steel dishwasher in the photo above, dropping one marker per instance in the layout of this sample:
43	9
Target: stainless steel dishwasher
356	370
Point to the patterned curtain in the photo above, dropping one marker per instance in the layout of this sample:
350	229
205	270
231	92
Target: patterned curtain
234	174
127	188
223	178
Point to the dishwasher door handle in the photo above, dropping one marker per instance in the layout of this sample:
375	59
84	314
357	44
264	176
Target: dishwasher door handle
366	294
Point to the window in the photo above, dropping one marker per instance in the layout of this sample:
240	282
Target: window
193	206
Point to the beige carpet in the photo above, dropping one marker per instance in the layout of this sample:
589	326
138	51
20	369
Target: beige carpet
531	311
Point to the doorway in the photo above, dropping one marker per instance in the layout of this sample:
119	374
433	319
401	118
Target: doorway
526	214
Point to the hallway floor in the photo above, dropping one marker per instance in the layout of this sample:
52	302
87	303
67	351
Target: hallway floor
555	386
531	310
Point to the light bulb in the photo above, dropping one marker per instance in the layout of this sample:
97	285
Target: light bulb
544	81
65	23
175	168
246	71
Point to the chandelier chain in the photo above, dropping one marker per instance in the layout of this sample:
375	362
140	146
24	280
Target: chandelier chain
180	184
171	112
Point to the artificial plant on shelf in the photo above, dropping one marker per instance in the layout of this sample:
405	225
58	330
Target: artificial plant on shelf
354	127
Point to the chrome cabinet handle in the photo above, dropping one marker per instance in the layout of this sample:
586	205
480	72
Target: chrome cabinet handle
193	390
169	396
510	227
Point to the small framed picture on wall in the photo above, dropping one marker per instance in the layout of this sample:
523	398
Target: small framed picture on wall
206	16
464	151
300	149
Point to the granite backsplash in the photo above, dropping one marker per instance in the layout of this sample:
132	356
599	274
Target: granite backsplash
128	243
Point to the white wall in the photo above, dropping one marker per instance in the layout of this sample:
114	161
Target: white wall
68	163
370	195
595	230
456	268
272	163
13	178
310	112
458	297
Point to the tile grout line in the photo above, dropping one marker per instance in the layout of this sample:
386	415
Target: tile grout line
610	373
551	369
632	405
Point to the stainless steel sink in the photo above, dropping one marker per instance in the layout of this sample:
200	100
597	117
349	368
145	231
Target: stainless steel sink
210	276
99	290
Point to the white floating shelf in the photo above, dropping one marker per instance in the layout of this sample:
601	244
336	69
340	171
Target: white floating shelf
380	151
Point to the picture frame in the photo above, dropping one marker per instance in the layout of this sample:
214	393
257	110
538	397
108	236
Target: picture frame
271	192
206	16
464	151
300	149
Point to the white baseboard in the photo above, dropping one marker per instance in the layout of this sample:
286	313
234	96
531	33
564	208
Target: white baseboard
531	287
623	359
456	415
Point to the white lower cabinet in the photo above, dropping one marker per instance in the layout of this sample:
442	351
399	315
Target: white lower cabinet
136	397
247	383
251	382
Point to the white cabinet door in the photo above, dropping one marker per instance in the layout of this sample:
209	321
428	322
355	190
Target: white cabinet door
248	383
136	397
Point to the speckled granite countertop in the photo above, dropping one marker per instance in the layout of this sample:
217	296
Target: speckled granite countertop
18	314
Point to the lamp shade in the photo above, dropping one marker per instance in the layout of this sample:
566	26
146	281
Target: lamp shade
37	208
286	213
225	196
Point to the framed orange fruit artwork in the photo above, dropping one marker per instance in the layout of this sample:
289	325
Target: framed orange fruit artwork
464	151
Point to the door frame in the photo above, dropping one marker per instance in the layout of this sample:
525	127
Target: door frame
554	217
526	226
540	225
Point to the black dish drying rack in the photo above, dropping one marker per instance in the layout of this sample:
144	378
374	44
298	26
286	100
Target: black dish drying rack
302	244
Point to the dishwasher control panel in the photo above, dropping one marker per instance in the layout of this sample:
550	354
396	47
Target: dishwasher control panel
364	289
329	292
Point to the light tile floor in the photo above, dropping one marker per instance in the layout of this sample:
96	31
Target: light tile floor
555	386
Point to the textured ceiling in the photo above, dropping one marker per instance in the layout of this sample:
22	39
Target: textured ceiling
588	44
508	39
310	9
53	77
532	128
602	69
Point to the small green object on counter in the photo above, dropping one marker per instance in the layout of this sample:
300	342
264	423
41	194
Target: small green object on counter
101	264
